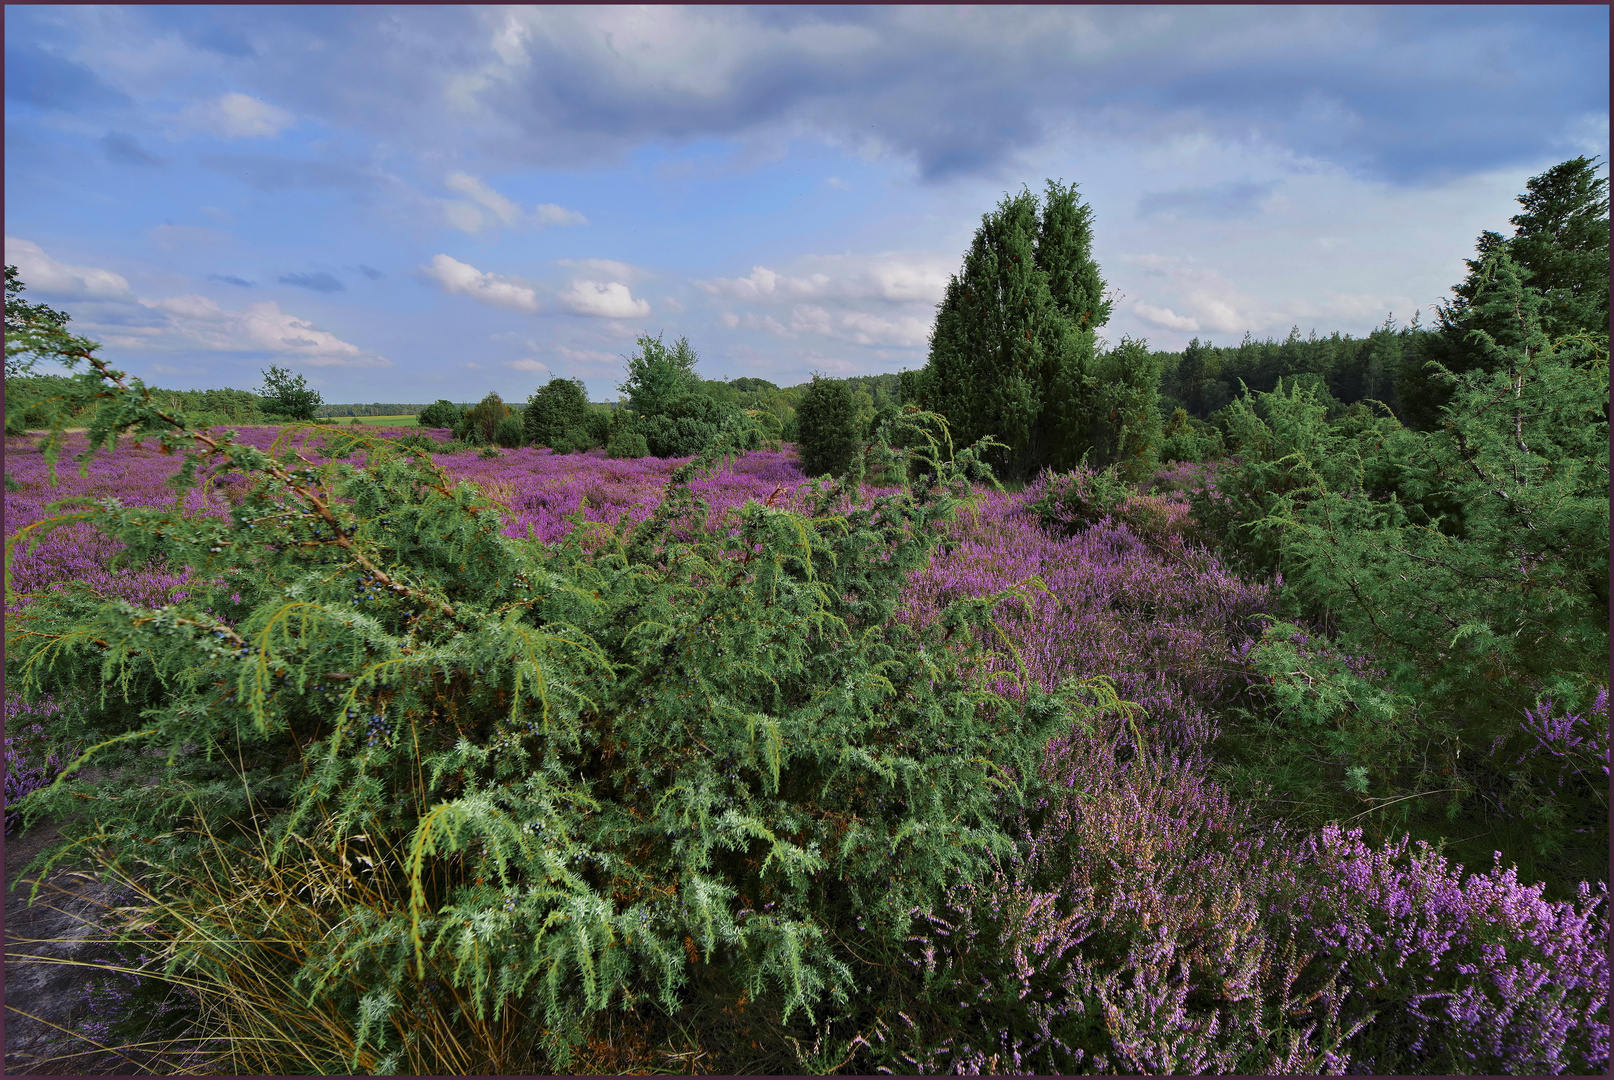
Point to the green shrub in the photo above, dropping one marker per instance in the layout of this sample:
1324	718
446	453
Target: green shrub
442	413
696	758
627	444
509	433
827	437
685	426
560	405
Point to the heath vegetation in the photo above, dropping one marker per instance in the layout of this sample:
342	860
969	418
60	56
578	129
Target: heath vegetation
1262	728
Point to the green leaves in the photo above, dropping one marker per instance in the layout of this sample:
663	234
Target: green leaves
1014	352
603	760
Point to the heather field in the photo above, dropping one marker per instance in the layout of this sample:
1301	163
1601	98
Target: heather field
1145	923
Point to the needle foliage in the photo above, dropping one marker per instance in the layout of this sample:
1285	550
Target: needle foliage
561	778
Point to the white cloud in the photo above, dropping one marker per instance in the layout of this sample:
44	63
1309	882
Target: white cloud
762	284
551	214
855	327
190	308
42	273
729	319
837	183
672	304
479	193
526	364
492	289
892	277
199	322
238	116
482	207
1164	317
608	300
861	328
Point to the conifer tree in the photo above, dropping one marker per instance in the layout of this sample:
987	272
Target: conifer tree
828	436
1013	352
554	410
1560	251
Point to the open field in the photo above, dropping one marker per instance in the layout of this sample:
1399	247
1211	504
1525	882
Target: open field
370	421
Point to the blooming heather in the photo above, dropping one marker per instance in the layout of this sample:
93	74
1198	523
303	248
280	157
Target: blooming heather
1144	923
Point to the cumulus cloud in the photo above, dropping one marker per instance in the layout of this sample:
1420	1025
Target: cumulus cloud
853	327
483	207
1164	317
763	284
526	364
672	304
199	322
238	116
496	290
609	300
892	277
484	202
43	274
551	214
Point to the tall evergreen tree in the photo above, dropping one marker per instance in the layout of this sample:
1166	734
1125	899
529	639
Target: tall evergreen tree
1560	250
1013	351
1562	244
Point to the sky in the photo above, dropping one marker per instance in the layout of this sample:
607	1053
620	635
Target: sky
411	203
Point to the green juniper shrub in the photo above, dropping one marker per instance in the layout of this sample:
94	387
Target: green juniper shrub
483	419
609	773
1188	438
509	433
441	413
683	426
1473	624
627	444
827	436
553	410
597	424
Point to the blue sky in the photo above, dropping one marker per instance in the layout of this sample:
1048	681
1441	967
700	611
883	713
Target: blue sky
407	203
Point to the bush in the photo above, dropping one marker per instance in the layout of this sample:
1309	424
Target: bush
442	413
827	437
509	433
627	444
287	395
1065	504
500	736
685	426
1188	438
560	405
